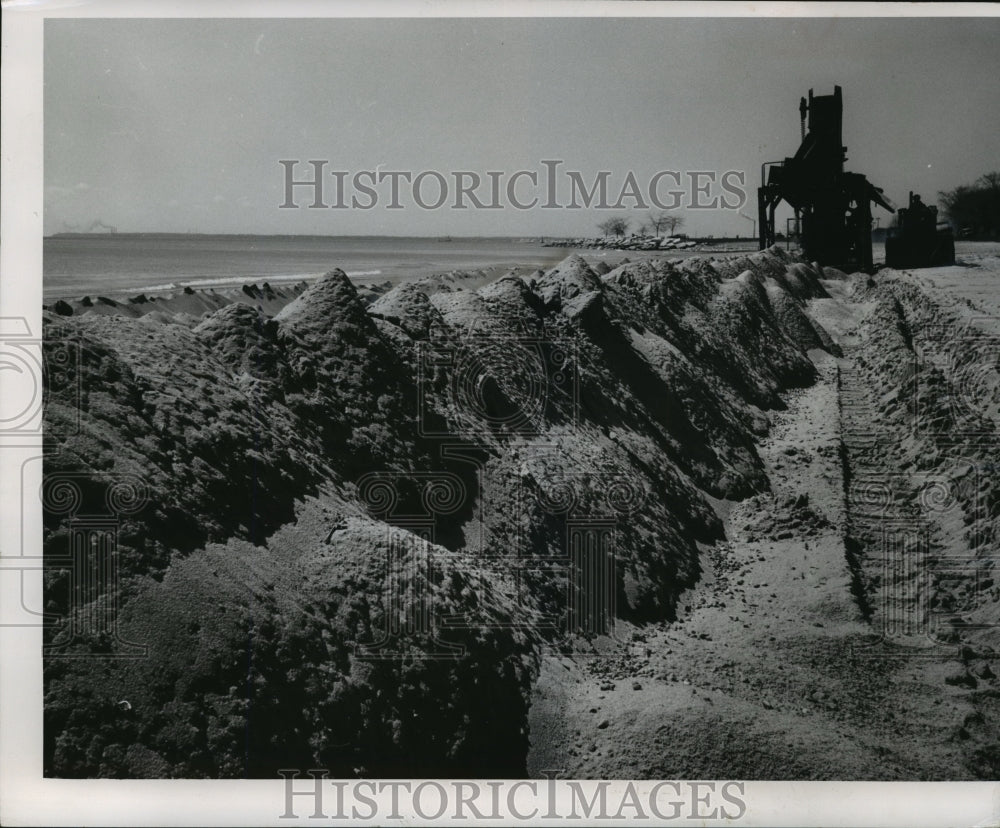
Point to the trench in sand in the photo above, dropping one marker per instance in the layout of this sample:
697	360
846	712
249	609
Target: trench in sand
775	667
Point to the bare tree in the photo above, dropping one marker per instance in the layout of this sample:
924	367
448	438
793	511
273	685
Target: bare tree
975	206
614	226
989	181
665	220
658	221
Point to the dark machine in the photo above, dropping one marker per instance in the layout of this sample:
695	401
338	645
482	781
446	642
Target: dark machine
919	239
833	208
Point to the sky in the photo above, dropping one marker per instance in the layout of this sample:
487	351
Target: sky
179	125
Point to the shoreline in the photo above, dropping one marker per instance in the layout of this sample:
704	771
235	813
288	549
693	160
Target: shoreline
228	286
393	272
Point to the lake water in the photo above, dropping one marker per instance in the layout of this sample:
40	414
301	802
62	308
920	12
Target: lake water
107	264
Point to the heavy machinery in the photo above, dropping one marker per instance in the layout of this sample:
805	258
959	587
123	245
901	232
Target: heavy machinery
833	208
919	239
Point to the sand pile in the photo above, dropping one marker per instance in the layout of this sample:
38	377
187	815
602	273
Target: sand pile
184	304
296	462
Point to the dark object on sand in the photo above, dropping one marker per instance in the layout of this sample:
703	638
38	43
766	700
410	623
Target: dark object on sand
832	207
919	240
62	308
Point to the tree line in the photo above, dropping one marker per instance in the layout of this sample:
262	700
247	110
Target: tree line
658	223
974	209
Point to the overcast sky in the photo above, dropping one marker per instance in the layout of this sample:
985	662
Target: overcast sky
179	125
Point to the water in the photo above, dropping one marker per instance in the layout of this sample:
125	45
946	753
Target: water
107	264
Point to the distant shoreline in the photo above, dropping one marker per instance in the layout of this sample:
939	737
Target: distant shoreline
109	264
161	235
443	239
